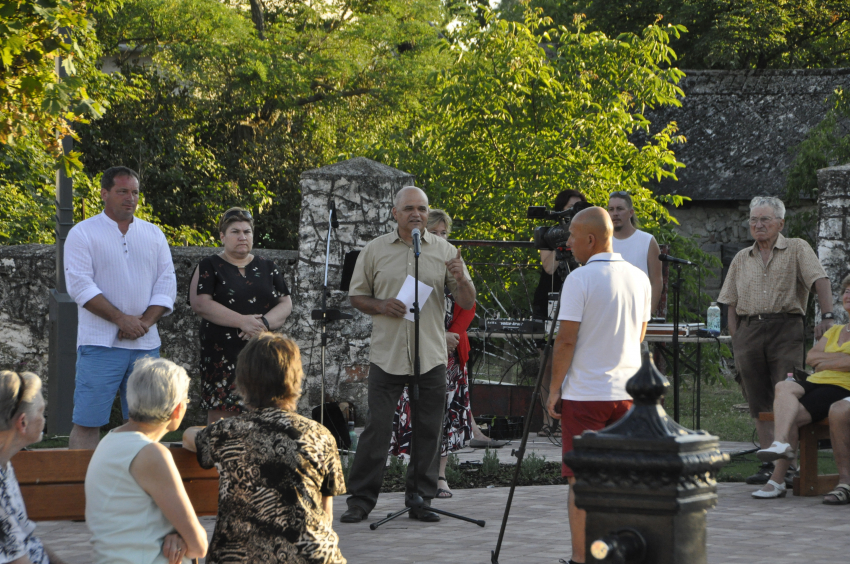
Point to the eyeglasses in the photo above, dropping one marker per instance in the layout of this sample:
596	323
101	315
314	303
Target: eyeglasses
18	398
237	213
762	220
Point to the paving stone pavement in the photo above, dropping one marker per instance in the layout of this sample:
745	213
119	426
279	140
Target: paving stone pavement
741	530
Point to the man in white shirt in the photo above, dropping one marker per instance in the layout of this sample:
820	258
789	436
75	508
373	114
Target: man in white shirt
635	246
605	306
118	269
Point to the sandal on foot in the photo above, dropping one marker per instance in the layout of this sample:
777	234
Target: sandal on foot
544	431
776	451
779	490
441	493
841	493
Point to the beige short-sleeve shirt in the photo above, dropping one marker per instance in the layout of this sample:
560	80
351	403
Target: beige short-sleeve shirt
780	286
381	269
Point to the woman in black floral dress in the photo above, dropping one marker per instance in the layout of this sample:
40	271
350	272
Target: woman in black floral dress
238	296
278	470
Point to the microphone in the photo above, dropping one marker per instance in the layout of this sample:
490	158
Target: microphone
667	258
417	241
334	220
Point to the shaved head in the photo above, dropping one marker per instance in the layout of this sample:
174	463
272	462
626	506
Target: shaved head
591	231
406	191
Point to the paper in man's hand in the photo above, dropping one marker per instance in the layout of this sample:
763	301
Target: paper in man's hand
405	295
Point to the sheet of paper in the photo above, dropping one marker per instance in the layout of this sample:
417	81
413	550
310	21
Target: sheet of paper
405	295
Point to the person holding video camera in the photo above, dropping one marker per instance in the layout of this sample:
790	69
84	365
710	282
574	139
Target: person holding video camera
605	306
550	282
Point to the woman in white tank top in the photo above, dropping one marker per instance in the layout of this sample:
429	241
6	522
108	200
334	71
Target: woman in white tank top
136	506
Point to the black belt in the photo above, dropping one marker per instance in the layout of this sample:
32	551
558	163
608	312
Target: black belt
761	316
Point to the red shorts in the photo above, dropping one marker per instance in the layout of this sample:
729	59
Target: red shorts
578	416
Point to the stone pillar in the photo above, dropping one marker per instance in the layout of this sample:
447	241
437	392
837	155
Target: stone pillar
362	191
834	229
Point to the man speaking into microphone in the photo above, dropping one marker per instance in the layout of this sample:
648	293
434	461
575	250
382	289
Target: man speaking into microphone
381	270
605	306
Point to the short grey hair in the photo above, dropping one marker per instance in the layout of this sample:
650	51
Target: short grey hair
398	194
155	388
17	389
775	203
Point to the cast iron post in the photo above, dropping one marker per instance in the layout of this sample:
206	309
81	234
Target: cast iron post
61	364
646	482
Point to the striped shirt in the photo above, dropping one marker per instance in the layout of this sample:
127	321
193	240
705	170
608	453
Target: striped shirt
780	286
133	271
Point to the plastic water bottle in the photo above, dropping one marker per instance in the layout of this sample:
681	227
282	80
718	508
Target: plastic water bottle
790	377
714	319
352	435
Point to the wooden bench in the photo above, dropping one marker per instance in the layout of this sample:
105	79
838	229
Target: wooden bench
809	483
53	482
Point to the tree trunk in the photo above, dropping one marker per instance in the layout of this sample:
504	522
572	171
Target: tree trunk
258	17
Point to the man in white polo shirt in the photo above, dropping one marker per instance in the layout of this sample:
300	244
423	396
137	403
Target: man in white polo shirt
605	306
118	269
635	246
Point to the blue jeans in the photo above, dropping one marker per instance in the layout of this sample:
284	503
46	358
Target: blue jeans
102	371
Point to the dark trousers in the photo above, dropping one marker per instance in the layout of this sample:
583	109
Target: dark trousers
370	460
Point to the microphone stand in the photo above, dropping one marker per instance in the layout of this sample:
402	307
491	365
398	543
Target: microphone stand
414	501
324	314
676	290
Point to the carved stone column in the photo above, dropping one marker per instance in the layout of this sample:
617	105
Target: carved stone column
834	229
362	191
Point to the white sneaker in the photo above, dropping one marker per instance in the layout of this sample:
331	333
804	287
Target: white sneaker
776	451
778	490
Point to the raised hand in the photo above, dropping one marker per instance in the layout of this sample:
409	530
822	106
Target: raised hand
455	267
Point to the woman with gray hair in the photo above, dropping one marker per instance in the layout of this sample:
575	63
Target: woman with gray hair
136	506
21	424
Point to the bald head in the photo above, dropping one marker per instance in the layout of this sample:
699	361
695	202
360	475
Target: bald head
590	233
405	193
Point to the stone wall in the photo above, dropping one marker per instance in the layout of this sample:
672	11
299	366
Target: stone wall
834	229
27	275
362	191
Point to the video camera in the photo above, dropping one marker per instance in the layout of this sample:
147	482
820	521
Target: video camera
554	238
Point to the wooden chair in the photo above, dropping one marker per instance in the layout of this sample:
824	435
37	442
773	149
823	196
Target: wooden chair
53	482
809	483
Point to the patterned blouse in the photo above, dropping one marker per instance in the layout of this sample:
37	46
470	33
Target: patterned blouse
16	530
274	468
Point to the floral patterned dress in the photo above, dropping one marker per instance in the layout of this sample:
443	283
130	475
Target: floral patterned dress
255	293
457	421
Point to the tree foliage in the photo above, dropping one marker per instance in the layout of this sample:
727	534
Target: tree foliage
725	34
34	100
229	115
522	116
827	144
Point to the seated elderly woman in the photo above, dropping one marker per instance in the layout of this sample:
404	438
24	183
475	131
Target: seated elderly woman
136	506
279	471
21	424
796	404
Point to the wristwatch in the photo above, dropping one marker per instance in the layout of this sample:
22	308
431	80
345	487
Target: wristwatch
266	322
827	315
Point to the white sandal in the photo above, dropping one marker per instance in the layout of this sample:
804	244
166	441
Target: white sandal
779	490
776	451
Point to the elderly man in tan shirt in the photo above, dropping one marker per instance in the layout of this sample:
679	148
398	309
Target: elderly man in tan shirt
767	289
381	269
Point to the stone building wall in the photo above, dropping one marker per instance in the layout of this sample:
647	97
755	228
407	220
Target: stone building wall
834	229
